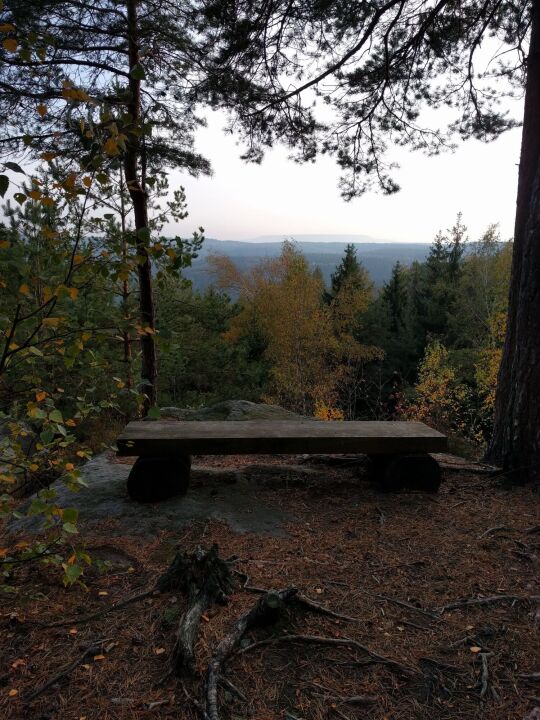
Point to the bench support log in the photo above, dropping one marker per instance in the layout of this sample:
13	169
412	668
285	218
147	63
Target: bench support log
159	478
413	471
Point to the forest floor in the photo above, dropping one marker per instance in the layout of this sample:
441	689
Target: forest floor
390	562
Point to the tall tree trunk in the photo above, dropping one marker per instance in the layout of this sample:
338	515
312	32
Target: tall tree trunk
139	198
516	436
126	335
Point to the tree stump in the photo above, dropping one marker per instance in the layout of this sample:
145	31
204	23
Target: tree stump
414	471
158	478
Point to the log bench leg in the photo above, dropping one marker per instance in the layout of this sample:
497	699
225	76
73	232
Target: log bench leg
158	478
414	471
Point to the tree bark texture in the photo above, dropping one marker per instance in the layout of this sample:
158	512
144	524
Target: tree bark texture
515	444
139	199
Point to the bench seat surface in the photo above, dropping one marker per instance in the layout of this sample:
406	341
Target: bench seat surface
167	437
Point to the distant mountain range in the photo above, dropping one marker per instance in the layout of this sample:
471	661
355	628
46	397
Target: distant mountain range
324	251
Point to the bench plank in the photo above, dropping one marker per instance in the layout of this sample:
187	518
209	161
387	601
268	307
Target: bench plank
167	437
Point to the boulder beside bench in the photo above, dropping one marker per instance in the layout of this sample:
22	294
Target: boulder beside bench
399	451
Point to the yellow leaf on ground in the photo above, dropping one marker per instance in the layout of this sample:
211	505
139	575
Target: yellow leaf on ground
34	467
69	467
41	395
159	651
99	657
103	593
475	649
71	423
24	289
13	692
42	110
87	181
48	156
73	631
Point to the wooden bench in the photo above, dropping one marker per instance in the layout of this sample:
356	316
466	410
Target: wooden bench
398	450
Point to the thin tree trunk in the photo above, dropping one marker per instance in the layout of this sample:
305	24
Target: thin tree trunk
126	336
139	198
516	436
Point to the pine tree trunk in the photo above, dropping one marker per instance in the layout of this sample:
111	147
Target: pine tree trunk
139	198
126	336
515	444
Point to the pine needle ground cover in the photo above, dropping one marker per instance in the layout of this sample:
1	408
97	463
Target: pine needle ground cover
421	607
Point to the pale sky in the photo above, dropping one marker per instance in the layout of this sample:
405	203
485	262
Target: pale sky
279	197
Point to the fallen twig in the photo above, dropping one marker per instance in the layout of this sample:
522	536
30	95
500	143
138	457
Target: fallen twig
92	649
232	688
100	613
352	700
484	678
402	603
246	586
494	599
493	529
533	677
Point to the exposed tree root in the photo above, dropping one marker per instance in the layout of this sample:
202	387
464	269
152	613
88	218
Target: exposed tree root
266	610
322	609
299	598
344	642
205	579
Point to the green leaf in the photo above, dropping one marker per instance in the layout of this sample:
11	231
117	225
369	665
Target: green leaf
69	528
137	72
71	573
4	184
56	416
13	166
47	436
70	515
154	413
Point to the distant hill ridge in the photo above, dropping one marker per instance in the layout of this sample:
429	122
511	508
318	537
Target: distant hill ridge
378	256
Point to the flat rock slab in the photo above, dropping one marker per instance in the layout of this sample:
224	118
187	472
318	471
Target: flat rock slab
140	438
212	496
